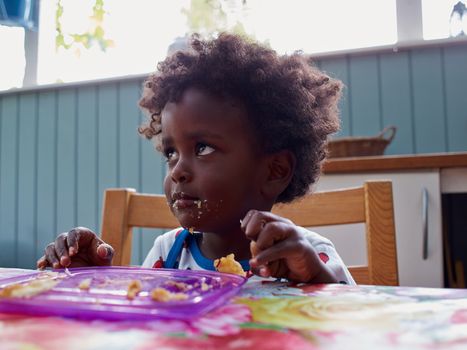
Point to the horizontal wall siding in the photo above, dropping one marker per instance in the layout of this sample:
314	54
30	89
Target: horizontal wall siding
60	148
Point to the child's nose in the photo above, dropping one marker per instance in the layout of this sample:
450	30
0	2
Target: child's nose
180	172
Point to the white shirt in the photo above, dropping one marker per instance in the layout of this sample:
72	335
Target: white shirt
192	258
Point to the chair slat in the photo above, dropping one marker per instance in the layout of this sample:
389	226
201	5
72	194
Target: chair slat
381	238
150	211
360	274
326	208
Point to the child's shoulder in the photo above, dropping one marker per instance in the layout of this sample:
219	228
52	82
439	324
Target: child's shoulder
169	236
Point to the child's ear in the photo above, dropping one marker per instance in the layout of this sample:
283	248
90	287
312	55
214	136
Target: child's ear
280	168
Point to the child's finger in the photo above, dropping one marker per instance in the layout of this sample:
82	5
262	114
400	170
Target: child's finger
277	251
73	238
105	253
51	256
42	263
61	249
272	233
255	224
244	222
255	221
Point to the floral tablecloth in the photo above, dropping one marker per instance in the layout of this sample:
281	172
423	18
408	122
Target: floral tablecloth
270	315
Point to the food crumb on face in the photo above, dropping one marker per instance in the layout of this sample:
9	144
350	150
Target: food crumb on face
163	295
228	264
134	288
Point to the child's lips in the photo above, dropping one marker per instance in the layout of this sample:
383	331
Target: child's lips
184	203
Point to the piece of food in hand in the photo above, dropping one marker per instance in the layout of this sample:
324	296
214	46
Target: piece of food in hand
29	289
161	294
85	284
228	264
134	288
253	249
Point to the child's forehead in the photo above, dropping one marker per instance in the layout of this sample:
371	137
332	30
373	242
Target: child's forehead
198	113
205	106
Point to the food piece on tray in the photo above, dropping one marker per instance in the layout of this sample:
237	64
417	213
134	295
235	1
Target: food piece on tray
161	294
228	264
85	284
181	286
134	288
27	290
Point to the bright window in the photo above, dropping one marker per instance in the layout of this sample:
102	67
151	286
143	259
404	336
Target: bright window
437	23
127	38
12	61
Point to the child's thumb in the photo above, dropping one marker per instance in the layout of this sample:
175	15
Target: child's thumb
105	253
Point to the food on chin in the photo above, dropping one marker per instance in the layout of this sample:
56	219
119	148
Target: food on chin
228	264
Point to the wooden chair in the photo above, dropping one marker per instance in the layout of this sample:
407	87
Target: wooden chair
371	204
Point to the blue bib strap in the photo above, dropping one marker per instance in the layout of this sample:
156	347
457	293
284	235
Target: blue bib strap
176	249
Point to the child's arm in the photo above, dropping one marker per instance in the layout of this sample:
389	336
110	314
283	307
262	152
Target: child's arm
283	251
76	248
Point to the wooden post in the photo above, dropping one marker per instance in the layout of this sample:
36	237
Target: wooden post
380	233
115	229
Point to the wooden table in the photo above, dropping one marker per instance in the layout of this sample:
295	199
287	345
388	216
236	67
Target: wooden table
270	315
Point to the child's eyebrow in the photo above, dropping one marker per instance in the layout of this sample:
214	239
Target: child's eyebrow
194	135
203	134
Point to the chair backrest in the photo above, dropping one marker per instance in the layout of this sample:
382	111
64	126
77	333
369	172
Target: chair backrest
371	204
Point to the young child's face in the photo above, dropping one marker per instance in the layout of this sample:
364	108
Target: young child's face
214	167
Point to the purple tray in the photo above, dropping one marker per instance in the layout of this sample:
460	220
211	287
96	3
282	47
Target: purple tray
107	296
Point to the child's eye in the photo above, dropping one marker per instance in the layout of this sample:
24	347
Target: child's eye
169	154
203	149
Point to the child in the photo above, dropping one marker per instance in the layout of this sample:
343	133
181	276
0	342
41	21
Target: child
241	129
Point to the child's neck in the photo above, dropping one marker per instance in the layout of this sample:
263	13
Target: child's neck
214	246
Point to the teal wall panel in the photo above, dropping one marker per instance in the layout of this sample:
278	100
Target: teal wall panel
46	149
396	101
66	160
9	142
455	61
107	151
364	86
61	147
86	168
27	117
428	100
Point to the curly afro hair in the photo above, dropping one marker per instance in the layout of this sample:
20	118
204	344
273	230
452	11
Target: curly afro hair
291	105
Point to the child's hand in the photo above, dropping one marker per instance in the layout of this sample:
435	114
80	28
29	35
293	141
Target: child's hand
76	248
282	251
